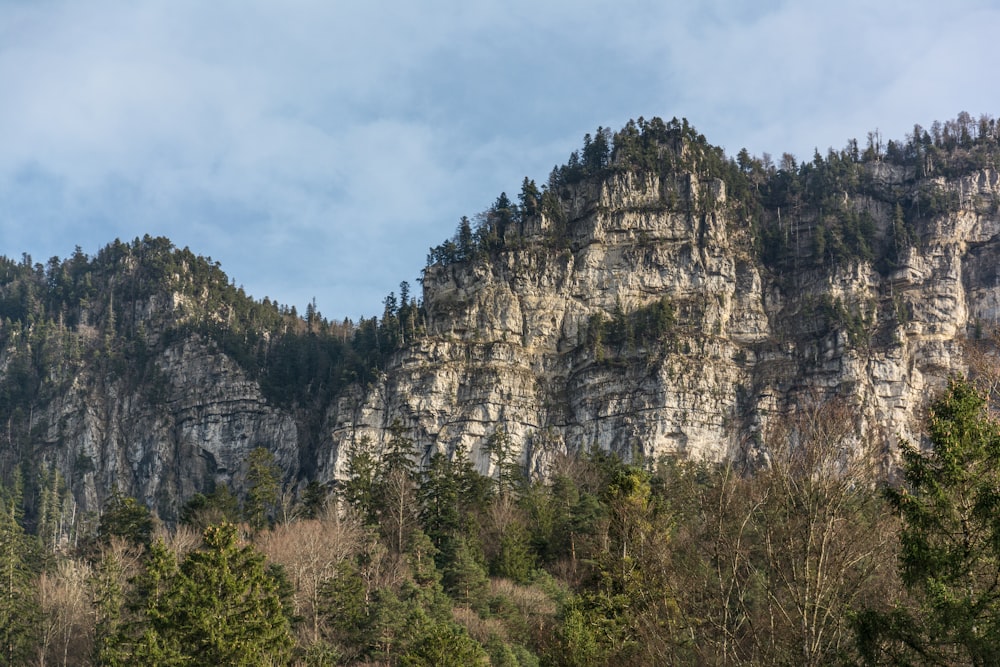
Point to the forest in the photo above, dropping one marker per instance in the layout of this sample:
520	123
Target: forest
822	552
815	559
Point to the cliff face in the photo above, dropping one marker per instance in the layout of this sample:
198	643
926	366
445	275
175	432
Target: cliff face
162	439
510	341
640	314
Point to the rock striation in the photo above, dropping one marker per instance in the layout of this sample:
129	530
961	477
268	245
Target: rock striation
507	338
639	314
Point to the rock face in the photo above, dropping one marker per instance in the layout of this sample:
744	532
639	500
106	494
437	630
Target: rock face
510	340
639	319
167	438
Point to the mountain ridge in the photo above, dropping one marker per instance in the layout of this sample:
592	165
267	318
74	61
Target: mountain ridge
654	297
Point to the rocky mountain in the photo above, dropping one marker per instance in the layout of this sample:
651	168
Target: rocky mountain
654	297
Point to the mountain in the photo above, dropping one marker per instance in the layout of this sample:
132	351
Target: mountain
654	297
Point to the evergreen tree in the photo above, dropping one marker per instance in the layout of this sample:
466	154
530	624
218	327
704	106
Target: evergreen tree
125	517
359	489
204	510
150	639
314	499
445	645
950	542
224	606
344	604
515	560
465	240
464	576
530	197
109	585
439	494
262	481
18	605
505	460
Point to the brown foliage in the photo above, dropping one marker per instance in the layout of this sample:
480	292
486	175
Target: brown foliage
310	550
776	561
68	620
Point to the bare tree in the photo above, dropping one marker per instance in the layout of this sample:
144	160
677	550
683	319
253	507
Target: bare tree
769	565
823	537
399	520
68	622
310	551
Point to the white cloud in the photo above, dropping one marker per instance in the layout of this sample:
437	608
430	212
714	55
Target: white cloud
318	149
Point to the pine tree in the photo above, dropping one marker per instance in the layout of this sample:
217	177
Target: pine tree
18	605
262	481
950	542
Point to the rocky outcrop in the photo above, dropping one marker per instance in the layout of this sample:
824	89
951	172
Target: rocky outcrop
510	338
189	425
638	319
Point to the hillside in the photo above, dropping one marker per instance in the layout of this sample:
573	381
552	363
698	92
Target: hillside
654	297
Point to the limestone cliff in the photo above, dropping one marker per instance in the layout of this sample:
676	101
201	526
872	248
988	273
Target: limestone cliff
507	341
658	301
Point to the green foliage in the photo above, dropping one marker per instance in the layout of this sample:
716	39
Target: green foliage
464	575
578	640
503	456
204	510
648	326
221	606
604	562
515	560
19	612
124	516
108	587
445	645
950	539
262	480
819	316
359	488
801	213
344	602
451	496
114	313
314	499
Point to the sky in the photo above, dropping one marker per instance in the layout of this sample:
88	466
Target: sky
318	148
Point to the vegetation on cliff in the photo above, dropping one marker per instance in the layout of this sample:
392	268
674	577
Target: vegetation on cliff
811	560
816	212
603	562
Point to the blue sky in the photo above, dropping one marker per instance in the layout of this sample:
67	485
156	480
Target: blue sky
319	148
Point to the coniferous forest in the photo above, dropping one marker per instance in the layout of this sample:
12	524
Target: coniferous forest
812	560
815	554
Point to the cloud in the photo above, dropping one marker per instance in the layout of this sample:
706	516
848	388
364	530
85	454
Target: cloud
318	149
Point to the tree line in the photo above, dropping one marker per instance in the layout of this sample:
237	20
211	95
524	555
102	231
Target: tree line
105	318
812	557
801	214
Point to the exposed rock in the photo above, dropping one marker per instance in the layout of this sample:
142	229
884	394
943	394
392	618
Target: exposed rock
506	338
513	339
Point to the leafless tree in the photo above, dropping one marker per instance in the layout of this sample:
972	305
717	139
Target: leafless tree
68	625
310	551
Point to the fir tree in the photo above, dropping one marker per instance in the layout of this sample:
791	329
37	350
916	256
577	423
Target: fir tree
950	542
18	606
225	608
262	495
